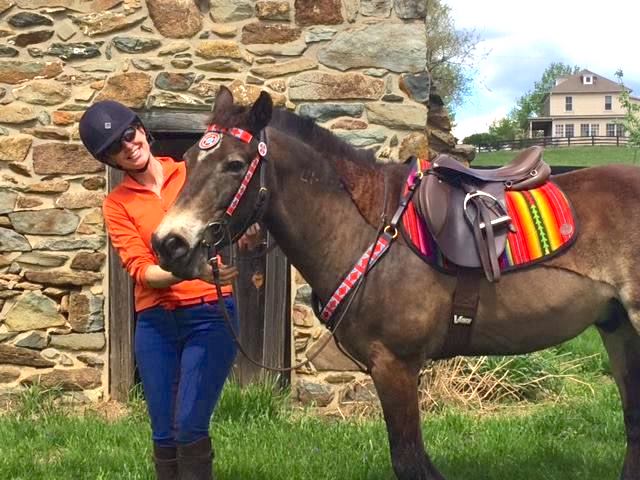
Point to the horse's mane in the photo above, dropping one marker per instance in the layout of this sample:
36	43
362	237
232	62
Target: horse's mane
319	138
306	130
359	172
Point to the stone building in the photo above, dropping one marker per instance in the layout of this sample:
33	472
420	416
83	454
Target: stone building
355	66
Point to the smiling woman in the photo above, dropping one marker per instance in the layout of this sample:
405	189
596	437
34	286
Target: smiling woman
183	349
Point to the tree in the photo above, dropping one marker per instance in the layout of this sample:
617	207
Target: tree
449	54
486	141
532	102
505	129
631	120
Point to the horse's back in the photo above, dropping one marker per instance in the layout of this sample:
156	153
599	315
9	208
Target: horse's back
605	201
617	179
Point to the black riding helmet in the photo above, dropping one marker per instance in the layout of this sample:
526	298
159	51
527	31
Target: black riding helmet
104	123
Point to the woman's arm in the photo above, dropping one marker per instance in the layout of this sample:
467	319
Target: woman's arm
139	261
156	277
135	255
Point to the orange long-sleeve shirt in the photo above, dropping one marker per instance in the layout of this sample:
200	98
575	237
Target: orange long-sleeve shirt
132	213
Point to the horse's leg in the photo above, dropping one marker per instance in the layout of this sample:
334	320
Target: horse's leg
622	342
396	382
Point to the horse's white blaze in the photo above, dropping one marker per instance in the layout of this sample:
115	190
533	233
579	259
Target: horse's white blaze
203	153
182	223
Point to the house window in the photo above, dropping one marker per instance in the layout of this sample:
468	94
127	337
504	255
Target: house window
584	129
615	130
568	104
559	130
595	130
607	102
588	80
569	131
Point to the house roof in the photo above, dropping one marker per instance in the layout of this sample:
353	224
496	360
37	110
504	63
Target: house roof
574	84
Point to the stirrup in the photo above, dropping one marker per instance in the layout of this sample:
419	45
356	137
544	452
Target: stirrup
503	219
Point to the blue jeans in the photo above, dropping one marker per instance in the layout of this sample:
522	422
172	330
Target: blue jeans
184	357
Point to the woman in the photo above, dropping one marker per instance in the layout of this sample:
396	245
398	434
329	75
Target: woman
183	349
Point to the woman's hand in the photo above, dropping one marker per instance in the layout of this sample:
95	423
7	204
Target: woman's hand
251	238
227	273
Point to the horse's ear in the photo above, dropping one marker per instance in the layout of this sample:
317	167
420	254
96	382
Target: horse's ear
223	102
260	113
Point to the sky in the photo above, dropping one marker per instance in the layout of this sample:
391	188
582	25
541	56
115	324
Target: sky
519	40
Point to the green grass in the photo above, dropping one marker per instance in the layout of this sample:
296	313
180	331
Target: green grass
258	435
579	439
569	156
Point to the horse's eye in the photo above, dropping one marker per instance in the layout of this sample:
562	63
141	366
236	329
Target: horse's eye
234	166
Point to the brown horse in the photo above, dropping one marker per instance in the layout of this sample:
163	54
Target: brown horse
324	208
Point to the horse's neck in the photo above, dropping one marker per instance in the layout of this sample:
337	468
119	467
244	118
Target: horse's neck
312	217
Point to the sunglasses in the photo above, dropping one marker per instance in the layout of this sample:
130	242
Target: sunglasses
127	136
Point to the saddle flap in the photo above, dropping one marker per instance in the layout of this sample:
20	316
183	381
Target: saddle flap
442	207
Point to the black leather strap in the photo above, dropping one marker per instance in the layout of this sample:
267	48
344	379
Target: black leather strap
463	312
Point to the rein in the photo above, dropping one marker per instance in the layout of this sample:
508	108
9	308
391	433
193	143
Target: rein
217	232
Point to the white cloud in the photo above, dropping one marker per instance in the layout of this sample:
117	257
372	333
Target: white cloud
520	40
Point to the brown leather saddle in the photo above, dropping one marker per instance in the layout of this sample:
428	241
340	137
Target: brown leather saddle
465	208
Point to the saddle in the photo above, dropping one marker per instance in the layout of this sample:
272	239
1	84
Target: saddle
465	208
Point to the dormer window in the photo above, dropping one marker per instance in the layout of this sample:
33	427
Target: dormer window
588	79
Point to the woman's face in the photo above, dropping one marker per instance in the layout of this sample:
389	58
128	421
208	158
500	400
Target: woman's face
134	153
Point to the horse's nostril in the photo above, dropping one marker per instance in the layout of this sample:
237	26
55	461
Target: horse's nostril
173	247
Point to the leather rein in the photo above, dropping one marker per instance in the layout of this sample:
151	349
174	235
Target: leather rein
216	232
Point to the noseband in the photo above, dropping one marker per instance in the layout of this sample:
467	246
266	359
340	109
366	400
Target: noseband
216	232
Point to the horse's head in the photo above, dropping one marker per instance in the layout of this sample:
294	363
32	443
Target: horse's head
208	210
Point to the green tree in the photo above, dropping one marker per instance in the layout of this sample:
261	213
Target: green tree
532	102
505	129
450	54
486	141
631	120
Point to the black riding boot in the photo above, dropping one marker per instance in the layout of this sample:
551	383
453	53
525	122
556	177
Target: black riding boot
194	460
166	462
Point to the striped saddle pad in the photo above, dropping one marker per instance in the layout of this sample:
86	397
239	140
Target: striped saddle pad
544	224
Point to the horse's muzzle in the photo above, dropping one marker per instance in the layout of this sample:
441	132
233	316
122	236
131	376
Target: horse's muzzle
172	250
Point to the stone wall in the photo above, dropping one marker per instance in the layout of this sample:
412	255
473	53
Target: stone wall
439	137
356	66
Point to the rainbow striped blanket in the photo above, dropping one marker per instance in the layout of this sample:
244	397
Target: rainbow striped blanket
544	224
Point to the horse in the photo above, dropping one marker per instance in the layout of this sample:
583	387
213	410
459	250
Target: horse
325	202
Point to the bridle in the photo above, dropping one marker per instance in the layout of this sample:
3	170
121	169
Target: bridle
217	231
